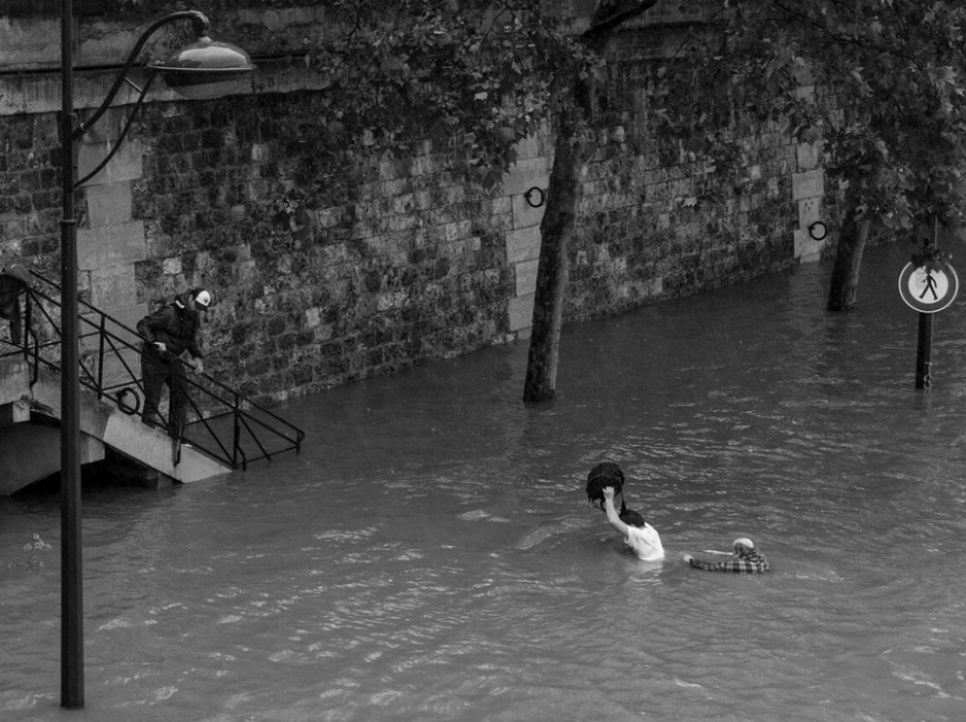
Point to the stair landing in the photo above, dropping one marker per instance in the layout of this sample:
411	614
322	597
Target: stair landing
30	451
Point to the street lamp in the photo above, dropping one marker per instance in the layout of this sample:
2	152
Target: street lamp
205	69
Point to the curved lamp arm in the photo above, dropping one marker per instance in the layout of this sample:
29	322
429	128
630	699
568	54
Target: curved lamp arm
201	26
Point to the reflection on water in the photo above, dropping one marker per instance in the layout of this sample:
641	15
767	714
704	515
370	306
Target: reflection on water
431	555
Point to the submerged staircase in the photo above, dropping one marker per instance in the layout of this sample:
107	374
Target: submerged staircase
225	431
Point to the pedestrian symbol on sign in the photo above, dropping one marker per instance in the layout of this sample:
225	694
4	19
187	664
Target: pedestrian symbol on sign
928	289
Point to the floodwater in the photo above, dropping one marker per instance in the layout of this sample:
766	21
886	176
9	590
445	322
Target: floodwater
431	554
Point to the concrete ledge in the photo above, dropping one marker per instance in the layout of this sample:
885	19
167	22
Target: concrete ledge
16	412
31	452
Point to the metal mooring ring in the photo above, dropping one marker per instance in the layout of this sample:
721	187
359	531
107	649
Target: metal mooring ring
129	410
528	197
818	231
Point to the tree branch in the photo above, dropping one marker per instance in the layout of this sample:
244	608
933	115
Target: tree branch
600	26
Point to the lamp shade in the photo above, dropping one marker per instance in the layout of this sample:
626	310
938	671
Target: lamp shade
206	69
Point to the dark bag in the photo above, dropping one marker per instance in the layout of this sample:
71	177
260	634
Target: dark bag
604	474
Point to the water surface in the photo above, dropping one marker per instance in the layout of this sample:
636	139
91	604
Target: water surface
431	555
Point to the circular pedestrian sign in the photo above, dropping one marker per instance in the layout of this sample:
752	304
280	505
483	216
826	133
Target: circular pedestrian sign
928	290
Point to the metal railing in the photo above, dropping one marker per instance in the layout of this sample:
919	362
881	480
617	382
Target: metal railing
222	423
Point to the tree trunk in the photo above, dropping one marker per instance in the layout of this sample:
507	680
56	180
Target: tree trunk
848	262
556	230
563	197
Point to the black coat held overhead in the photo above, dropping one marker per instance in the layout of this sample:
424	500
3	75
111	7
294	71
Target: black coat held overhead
175	325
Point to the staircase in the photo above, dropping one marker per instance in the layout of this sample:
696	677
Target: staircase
225	431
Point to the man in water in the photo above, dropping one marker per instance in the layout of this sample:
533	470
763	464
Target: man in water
745	559
638	534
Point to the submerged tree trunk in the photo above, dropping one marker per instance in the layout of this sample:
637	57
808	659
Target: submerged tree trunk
848	262
556	230
563	197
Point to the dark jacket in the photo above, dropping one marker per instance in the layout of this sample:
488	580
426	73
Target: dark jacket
175	325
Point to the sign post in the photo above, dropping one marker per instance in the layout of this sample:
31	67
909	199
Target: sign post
927	289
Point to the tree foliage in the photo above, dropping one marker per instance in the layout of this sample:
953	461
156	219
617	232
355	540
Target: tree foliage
472	70
489	73
890	110
888	104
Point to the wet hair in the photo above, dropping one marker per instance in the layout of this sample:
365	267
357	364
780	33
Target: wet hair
632	518
603	475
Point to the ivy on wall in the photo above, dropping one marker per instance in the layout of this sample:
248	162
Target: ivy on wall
146	8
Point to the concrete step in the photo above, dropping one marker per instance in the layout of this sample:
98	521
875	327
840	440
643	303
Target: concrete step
101	423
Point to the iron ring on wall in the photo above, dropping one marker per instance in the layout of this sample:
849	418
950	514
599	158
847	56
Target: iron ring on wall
818	231
528	196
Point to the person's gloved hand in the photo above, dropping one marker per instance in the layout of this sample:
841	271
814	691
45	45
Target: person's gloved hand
199	366
159	345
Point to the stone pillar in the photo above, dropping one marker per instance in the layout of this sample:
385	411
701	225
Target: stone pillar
525	185
808	190
110	242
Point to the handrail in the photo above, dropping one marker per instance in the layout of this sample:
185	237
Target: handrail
221	422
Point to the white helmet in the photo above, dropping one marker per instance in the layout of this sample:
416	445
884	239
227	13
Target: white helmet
203	298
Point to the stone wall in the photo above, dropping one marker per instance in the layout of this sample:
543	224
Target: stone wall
327	267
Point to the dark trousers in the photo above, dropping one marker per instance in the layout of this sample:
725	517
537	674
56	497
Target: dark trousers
158	373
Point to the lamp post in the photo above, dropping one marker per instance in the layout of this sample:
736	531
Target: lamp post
203	70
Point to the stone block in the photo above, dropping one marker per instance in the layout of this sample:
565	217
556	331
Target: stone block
26	42
110	246
522	245
113	287
808	185
526	174
808	155
529	148
524	214
125	166
283	18
261	152
29	94
109	204
807	250
809	211
526	276
501	205
121	367
126	318
520	312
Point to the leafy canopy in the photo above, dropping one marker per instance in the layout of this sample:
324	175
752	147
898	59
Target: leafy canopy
475	70
890	107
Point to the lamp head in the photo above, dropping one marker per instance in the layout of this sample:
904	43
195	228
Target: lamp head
206	69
